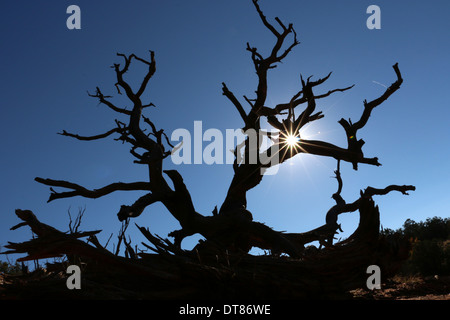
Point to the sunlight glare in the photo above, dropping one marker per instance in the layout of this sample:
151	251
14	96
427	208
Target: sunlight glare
292	140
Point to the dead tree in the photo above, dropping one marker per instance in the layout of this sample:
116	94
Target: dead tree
232	230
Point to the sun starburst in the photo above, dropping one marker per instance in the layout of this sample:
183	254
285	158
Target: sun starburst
292	140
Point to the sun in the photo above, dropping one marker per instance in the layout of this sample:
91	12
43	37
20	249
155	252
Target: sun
292	140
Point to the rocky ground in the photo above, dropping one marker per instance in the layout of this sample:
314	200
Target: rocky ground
409	288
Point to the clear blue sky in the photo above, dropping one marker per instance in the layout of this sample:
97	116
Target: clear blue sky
46	70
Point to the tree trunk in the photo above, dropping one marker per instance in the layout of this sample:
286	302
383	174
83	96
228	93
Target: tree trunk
174	273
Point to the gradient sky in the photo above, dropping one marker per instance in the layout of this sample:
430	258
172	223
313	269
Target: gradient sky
47	69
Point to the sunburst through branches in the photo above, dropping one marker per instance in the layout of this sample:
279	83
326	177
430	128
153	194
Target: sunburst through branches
290	140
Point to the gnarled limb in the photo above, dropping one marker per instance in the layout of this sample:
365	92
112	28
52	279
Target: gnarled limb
138	206
98	94
262	65
351	129
154	150
81	191
90	138
54	243
369	192
369	106
296	100
324	233
375	191
122	129
332	214
235	101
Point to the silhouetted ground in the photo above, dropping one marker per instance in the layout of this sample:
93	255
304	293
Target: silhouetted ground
397	288
409	288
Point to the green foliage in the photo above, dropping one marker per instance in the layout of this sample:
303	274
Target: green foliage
427	258
430	253
6	267
432	228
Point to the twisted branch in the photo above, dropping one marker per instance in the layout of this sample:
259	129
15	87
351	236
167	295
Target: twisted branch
93	194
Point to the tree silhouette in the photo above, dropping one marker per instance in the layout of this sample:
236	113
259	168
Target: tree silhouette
220	265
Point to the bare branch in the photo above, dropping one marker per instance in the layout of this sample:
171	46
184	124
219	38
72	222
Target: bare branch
90	138
138	206
320	148
327	231
96	193
102	99
289	49
121	82
74	225
148	105
262	65
151	71
374	191
315	116
256	57
355	145
369	192
53	243
43	230
295	101
121	236
264	20
333	91
369	106
235	102
338	178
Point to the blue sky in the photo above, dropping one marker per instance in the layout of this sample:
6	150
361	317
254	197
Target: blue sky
47	70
